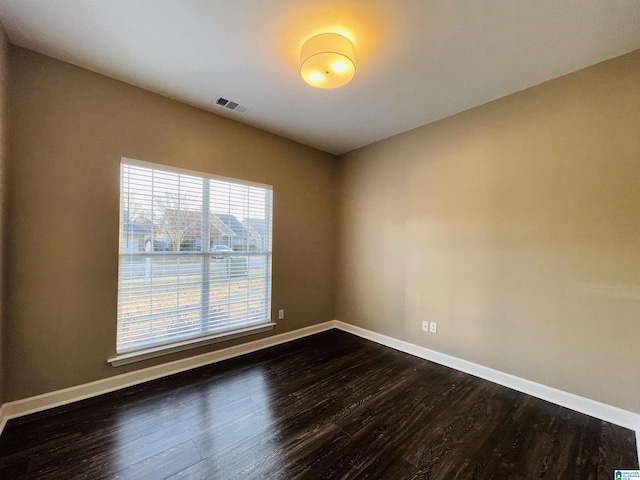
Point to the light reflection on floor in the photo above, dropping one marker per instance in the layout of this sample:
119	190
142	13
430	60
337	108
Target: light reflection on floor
214	417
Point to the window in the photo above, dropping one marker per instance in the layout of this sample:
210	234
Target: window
195	257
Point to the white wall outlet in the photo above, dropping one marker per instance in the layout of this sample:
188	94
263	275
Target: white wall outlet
433	327
280	314
425	326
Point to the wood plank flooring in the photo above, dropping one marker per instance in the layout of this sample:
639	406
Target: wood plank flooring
328	406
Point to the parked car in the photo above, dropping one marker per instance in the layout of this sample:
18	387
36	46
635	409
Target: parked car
220	248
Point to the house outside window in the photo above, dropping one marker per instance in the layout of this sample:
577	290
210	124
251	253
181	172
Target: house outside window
191	266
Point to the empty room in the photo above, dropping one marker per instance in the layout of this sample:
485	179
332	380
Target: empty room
319	239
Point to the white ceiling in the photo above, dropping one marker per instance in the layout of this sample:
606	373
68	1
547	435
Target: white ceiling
417	60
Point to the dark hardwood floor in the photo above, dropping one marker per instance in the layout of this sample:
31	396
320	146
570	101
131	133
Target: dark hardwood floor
327	406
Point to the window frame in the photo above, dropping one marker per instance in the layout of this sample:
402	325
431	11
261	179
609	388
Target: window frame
179	343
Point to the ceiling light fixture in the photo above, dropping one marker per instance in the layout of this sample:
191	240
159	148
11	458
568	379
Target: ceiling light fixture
327	60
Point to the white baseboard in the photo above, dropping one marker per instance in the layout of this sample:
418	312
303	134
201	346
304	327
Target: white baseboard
580	404
3	417
65	396
596	409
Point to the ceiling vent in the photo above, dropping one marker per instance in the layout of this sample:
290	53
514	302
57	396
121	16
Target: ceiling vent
236	107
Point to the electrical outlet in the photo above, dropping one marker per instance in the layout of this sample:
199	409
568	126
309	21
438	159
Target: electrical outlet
425	326
433	327
280	314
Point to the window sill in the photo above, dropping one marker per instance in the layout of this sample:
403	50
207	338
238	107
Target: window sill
153	352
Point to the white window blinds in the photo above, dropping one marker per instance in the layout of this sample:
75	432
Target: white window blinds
195	255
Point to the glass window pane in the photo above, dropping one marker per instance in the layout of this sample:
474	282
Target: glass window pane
195	256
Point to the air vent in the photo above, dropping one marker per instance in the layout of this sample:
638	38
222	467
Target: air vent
236	107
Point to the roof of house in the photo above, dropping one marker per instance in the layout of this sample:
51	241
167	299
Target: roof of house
194	219
132	228
232	222
222	227
255	226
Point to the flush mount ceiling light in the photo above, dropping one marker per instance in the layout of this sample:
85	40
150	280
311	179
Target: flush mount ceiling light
327	61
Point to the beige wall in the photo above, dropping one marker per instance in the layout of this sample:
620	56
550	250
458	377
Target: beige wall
4	113
515	226
69	128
